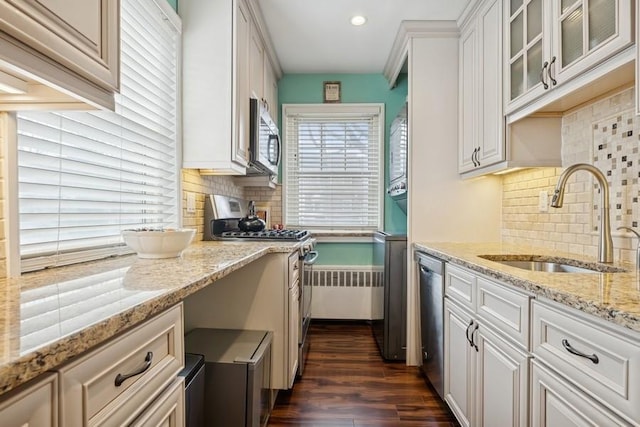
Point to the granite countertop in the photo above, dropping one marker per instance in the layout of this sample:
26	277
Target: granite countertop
614	297
50	316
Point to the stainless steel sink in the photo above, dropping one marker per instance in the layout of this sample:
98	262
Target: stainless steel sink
550	264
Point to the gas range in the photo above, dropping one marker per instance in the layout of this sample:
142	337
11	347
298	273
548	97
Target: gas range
222	215
291	235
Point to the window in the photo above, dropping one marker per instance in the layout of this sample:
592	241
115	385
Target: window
333	169
83	177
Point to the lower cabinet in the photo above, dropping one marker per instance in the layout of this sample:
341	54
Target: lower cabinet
168	410
115	383
34	404
555	402
486	377
599	359
260	296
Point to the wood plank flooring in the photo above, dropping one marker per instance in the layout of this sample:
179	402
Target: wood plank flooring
346	383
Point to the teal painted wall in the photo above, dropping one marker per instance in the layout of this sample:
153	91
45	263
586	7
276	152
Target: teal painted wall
174	4
355	88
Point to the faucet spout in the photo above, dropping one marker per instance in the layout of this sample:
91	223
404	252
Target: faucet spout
605	242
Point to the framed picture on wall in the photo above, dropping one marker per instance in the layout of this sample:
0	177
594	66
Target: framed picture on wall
331	92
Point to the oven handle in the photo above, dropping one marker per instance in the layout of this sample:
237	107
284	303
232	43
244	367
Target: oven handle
310	257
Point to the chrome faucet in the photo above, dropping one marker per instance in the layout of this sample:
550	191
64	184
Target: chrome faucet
638	248
605	243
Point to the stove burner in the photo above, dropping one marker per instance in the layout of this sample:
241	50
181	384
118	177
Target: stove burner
266	235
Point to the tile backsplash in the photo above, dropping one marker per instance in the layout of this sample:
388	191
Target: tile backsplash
202	185
605	134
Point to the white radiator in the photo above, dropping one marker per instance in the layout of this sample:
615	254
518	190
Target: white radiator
344	291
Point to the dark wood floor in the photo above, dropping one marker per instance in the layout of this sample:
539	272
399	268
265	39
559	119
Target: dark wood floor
346	383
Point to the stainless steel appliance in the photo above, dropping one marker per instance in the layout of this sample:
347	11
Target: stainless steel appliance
307	258
222	215
431	271
398	144
237	375
389	301
264	140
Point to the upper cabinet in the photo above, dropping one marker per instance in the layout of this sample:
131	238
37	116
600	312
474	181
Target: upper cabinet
71	46
550	42
481	122
223	59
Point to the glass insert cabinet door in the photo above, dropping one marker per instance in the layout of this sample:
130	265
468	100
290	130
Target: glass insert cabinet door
552	41
527	46
584	26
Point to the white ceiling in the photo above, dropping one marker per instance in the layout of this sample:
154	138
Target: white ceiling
315	36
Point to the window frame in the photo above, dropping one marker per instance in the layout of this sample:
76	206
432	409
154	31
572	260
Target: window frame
346	110
9	140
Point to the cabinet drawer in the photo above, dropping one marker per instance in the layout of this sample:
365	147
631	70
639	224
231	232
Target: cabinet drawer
614	378
167	410
32	405
505	309
89	394
460	285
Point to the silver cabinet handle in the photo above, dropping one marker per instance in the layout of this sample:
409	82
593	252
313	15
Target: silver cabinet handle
567	346
478	156
120	378
542	73
551	79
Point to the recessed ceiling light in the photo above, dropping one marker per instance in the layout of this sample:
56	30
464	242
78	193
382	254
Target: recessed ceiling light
358	20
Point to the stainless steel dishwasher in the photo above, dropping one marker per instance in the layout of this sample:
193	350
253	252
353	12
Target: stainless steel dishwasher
431	271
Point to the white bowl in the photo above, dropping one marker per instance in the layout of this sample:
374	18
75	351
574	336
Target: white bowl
159	243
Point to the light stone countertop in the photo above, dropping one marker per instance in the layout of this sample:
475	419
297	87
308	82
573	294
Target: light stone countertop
614	297
50	316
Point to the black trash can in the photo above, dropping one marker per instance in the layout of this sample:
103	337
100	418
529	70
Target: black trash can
193	374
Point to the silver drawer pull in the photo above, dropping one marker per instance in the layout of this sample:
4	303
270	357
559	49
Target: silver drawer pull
567	346
147	364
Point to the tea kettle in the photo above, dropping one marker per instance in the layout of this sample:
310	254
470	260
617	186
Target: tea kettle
251	222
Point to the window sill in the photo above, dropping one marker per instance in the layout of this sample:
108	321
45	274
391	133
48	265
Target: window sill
342	236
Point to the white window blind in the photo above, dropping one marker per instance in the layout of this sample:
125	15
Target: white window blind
83	177
333	166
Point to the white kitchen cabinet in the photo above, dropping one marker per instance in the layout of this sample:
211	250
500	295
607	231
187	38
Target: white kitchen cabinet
260	300
256	64
598	358
271	90
216	85
72	46
481	117
555	402
486	331
168	410
293	281
549	43
114	383
486	143
459	364
34	404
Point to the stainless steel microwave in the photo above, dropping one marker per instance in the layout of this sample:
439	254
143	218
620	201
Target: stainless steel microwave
264	140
